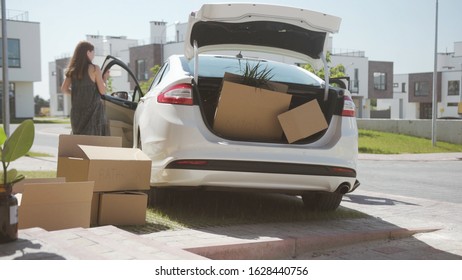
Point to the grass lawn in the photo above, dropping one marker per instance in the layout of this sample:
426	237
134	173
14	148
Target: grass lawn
376	142
52	120
200	209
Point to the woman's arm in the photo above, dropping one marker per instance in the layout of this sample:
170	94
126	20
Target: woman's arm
66	86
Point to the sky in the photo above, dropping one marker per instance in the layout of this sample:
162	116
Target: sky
401	31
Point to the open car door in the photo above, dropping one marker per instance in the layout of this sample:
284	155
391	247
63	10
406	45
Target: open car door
120	106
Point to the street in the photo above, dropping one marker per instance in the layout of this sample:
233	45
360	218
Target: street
434	180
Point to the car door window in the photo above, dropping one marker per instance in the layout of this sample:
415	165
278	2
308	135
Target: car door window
163	70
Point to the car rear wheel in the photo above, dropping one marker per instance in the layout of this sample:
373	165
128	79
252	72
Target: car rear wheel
322	201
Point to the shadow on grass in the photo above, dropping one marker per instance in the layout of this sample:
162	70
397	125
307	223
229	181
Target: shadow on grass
202	209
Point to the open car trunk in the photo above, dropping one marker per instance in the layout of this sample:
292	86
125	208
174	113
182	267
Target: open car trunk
207	95
273	29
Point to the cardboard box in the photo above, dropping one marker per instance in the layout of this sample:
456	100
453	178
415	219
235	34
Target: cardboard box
122	208
303	121
249	113
54	205
111	168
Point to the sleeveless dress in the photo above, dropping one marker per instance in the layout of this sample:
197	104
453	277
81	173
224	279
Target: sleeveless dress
87	112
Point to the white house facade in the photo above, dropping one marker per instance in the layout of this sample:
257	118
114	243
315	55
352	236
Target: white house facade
24	65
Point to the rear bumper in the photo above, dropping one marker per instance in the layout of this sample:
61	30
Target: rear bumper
262	167
268	182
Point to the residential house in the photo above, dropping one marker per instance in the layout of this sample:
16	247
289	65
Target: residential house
413	92
24	65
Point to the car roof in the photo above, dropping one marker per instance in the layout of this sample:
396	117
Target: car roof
275	29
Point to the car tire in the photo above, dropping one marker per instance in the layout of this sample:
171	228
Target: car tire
322	201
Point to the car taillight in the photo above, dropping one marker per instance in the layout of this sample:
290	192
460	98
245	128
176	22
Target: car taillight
178	94
348	107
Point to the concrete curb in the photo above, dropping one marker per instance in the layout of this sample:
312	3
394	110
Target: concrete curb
289	248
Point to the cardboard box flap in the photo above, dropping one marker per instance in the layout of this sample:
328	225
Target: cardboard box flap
68	144
19	186
57	193
113	153
230	77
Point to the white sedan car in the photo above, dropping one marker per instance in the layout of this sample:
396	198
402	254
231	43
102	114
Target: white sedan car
174	122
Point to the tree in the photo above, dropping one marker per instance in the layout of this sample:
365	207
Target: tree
145	85
39	104
335	72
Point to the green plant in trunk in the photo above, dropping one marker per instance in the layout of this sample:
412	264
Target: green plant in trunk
14	147
255	76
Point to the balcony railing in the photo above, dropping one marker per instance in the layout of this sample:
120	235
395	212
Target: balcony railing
16	15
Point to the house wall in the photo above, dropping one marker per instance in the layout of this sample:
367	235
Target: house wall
28	34
358	88
380	67
29	71
448	106
24	101
151	54
424	77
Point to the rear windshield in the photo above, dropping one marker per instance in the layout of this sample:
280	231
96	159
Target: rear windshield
216	66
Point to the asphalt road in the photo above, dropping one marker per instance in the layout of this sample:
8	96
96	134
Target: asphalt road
435	180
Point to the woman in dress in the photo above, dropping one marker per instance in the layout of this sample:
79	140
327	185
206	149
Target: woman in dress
85	83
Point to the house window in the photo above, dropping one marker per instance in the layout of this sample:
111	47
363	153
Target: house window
403	87
395	85
453	104
421	88
141	73
380	81
354	85
14	54
453	87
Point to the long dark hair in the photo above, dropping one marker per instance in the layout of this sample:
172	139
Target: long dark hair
79	61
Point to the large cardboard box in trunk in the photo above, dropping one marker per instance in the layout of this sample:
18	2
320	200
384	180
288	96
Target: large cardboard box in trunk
52	204
249	113
111	168
303	121
122	208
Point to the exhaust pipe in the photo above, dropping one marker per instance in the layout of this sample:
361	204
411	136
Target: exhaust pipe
343	188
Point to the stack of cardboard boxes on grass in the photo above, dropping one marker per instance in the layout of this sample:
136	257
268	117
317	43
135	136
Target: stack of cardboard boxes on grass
251	113
98	183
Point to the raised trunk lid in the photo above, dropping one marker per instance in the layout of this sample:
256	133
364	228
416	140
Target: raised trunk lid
275	29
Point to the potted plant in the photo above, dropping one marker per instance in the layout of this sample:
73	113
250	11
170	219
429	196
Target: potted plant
12	148
254	76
